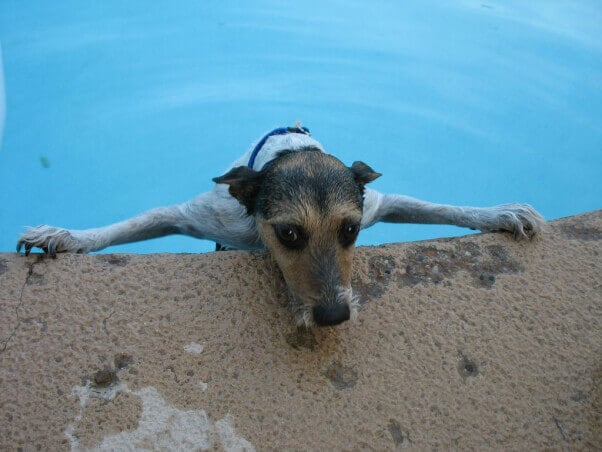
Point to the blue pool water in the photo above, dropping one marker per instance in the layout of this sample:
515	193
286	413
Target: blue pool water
110	108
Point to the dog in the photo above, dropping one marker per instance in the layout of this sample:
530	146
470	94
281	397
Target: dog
305	206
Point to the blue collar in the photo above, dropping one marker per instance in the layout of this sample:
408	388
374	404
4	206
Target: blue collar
279	131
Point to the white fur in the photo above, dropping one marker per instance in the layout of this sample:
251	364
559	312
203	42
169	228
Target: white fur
219	217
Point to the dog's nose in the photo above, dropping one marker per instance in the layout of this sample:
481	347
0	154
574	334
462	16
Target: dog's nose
331	315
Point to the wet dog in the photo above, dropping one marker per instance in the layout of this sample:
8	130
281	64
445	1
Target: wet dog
305	206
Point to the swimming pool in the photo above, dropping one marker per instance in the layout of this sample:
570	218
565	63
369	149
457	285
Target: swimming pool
111	108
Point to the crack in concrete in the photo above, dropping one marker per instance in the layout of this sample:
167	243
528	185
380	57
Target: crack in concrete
104	321
28	279
561	430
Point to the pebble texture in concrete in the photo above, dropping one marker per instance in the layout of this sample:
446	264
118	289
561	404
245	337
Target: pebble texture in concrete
467	343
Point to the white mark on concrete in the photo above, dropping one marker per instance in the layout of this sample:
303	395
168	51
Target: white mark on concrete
83	394
194	348
203	386
161	426
228	437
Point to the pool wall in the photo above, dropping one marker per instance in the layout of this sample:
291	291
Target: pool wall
479	342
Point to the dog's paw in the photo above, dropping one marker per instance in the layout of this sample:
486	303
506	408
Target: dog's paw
51	240
520	219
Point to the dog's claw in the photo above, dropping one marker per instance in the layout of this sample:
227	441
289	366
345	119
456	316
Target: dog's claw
521	220
51	240
52	249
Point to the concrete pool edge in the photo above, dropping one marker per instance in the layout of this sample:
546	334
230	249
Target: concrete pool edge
471	342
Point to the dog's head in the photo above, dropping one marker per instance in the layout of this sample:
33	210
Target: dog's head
308	210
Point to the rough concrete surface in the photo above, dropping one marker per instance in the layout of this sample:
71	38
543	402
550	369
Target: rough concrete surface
477	342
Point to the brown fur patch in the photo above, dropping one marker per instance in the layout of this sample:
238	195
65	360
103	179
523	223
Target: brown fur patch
318	194
308	209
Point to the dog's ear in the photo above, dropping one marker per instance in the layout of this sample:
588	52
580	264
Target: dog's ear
244	184
363	173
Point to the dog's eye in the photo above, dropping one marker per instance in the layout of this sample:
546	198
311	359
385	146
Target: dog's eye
348	233
290	236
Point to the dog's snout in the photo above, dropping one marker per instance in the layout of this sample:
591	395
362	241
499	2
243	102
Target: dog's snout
332	314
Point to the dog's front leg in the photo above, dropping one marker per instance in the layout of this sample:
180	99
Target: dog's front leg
520	219
213	215
154	223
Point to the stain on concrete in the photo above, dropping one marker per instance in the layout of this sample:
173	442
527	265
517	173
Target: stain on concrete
486	280
433	265
302	338
380	272
399	436
3	266
114	259
467	367
427	265
341	377
430	264
580	232
104	377
500	262
123	361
